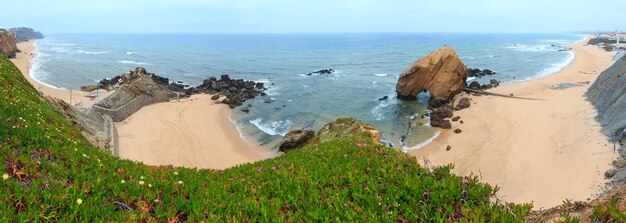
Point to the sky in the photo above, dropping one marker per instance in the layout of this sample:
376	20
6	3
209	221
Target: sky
313	16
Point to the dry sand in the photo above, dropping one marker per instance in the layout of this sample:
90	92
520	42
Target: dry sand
79	99
194	132
540	151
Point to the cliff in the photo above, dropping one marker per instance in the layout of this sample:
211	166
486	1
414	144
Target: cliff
8	46
23	34
608	95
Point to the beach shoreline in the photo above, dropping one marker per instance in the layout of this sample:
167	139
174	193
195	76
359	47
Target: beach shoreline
214	142
542	151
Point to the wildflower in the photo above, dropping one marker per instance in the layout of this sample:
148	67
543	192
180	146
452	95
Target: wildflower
149	185
273	168
180	182
231	179
260	169
280	166
365	144
316	149
358	145
141	177
5	176
123	181
175	173
79	201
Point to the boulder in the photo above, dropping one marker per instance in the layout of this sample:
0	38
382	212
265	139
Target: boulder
441	73
295	138
463	104
383	98
440	123
212	78
457	131
215	97
259	85
225	78
88	88
245	109
474	85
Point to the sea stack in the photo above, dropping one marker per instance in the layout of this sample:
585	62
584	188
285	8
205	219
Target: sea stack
441	73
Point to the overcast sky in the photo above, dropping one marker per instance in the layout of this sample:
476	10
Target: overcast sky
303	16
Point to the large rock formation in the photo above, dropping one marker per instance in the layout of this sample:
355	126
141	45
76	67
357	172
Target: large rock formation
441	73
23	34
8	46
608	95
295	138
341	128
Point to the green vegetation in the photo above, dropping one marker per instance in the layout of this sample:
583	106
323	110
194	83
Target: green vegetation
608	212
50	173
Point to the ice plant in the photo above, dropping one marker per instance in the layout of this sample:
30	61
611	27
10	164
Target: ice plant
358	145
273	168
260	169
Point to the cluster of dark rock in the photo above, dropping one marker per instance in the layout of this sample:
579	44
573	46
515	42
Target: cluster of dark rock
479	73
236	91
475	85
321	72
441	116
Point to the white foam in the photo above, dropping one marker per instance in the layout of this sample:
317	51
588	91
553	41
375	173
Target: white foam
422	144
280	127
132	62
92	52
34	71
377	111
533	48
381	75
556	67
130	53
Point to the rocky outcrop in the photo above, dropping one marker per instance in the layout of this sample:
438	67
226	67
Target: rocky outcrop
322	71
23	34
339	129
295	138
8	46
608	95
441	73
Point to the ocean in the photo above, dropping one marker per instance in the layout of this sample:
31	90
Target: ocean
366	67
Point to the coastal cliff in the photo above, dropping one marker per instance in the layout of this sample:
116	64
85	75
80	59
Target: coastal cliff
608	95
23	34
8	46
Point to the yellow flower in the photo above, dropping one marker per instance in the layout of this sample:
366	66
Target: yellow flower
5	176
149	185
123	181
79	201
180	182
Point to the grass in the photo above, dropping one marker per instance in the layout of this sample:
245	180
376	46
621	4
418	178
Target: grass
53	174
608	212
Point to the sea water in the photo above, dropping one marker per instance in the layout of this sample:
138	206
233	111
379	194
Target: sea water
366	67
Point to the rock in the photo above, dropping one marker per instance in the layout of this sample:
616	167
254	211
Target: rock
488	72
457	131
225	78
140	71
322	71
259	85
461	121
441	113
212	78
245	109
88	88
161	80
8	43
215	97
441	73
494	82
441	123
456	118
268	100
610	173
232	89
383	98
463	104
295	138
474	85
448	148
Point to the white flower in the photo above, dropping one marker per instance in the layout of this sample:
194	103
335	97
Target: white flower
175	173
149	185
123	181
141	182
141	177
5	176
79	201
180	182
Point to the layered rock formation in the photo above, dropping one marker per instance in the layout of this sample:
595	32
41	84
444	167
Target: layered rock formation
608	95
339	129
441	73
8	46
23	34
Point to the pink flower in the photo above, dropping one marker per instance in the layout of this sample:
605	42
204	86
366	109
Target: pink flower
358	145
365	144
273	168
231	179
260	169
280	166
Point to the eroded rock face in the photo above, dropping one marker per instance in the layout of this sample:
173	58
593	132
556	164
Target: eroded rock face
8	46
23	34
296	138
441	73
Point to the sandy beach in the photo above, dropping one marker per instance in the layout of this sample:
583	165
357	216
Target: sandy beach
192	132
79	99
541	151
